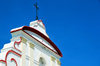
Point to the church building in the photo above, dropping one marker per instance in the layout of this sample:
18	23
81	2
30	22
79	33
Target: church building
30	46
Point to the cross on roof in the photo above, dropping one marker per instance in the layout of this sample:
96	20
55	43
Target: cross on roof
37	8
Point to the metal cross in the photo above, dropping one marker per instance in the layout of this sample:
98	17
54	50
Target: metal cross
37	8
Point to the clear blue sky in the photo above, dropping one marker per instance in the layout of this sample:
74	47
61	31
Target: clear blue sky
73	25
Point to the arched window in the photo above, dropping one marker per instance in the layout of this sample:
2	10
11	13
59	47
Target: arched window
41	62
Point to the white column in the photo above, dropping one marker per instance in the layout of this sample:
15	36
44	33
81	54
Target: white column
23	50
31	54
52	61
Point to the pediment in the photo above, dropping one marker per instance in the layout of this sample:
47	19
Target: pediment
40	39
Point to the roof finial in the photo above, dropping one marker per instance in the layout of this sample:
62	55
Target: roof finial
37	8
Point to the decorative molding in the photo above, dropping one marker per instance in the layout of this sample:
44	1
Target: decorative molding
42	43
58	62
10	51
31	45
40	34
12	59
17	43
52	58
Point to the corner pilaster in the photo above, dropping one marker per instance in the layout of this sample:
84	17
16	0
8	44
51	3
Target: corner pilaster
52	61
23	49
31	54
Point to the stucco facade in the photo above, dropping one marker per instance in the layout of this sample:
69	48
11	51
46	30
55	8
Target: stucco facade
30	46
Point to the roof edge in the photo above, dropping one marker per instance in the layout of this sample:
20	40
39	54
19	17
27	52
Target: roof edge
40	34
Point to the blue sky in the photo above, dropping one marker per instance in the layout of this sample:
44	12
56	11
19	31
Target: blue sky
73	25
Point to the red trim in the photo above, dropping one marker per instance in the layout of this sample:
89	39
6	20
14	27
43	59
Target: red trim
10	51
42	22
12	59
17	44
2	61
40	42
16	30
40	34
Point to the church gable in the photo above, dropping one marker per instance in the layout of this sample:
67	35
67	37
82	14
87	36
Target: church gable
38	35
30	46
40	39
